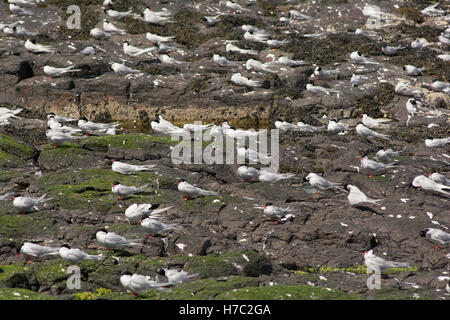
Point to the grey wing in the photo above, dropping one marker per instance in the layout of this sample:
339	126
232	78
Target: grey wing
114	239
190	189
139	283
76	255
442	236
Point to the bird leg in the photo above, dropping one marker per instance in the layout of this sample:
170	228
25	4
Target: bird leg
149	236
185	198
369	176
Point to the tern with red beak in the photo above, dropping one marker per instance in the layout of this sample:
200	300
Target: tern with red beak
436	235
427	184
29	249
274	213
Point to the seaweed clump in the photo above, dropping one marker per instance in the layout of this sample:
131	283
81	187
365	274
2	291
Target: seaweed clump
371	103
412	14
333	48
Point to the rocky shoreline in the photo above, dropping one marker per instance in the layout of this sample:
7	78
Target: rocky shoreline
237	252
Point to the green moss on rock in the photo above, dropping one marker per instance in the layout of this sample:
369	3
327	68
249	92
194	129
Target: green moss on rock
286	292
22	294
205	289
13	147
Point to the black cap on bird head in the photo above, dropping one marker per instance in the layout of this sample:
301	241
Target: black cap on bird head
155	205
84	118
65	246
19	247
358	53
126	41
305	179
161	271
33	41
126	273
103	230
423	233
115	183
268	204
179	180
373	242
412	101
